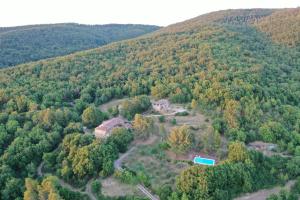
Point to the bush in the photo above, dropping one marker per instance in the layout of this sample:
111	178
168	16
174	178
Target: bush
173	121
184	113
161	119
113	111
126	176
96	187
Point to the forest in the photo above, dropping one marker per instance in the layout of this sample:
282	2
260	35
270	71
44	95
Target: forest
35	42
247	77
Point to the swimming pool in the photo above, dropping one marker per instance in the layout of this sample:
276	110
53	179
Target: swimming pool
204	161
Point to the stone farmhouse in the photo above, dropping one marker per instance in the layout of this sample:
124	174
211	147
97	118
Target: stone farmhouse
162	105
104	130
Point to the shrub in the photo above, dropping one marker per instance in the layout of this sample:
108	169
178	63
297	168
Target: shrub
184	113
161	119
173	121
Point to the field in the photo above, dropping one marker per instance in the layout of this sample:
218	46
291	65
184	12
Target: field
114	188
111	104
155	163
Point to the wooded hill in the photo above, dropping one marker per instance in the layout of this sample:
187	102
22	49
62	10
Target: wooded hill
30	43
247	78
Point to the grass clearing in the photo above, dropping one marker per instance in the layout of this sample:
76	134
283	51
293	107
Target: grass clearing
153	161
114	188
113	103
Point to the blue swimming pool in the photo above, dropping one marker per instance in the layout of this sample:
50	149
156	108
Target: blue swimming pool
204	161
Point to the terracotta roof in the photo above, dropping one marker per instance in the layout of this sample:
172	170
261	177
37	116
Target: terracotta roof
108	124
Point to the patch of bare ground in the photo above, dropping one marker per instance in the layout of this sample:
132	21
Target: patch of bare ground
174	156
115	102
151	140
114	188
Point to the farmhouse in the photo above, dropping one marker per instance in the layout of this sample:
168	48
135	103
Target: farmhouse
105	129
162	105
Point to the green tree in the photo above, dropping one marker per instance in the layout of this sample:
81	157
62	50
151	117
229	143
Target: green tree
92	117
184	197
11	126
142	126
120	138
211	141
181	139
272	131
237	152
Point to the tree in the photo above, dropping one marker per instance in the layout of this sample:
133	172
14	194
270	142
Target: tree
231	113
161	119
194	104
96	187
138	104
272	131
159	91
211	141
174	196
237	152
11	126
121	138
184	197
164	191
48	189
82	164
22	103
297	151
13	189
92	117
3	97
31	189
173	121
142	126
181	139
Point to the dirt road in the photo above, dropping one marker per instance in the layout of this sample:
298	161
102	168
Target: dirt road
88	190
264	194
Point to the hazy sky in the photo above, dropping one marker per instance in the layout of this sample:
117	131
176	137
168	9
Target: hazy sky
159	12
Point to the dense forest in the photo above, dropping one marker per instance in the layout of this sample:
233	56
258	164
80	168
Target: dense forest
247	78
30	43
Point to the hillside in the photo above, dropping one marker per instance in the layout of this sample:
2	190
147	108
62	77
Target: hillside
30	43
282	26
237	17
247	83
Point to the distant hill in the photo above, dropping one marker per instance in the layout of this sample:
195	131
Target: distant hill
30	43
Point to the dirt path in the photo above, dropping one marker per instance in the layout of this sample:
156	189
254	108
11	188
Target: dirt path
88	189
264	194
118	162
118	166
39	169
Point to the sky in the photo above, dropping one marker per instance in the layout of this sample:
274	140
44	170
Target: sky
156	12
